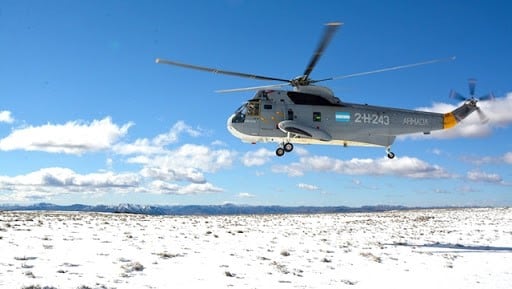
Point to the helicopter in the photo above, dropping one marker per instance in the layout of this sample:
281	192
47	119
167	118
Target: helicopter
312	114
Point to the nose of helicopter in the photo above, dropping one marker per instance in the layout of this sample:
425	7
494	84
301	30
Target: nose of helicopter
233	129
229	124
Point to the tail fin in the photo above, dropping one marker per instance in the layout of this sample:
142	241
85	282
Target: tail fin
452	118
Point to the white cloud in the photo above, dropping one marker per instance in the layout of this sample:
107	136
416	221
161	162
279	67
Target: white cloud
5	116
400	166
497	111
203	158
308	187
257	158
174	174
139	146
200	189
245	195
479	176
53	181
187	163
219	143
157	144
483	160
199	157
71	138
62	177
46	183
173	134
161	187
162	170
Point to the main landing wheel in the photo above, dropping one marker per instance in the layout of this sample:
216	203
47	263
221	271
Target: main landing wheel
279	152
288	147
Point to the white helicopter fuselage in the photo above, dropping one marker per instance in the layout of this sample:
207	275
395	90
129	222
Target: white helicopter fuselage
312	115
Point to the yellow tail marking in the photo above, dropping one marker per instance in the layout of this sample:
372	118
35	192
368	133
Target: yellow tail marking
449	120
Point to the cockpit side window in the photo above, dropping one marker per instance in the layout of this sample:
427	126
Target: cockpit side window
253	108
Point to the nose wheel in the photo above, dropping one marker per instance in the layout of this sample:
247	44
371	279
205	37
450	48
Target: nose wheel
284	148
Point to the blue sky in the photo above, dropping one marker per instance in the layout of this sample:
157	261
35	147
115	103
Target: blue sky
86	116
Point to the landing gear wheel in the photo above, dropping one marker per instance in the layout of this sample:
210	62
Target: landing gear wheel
288	147
279	152
391	155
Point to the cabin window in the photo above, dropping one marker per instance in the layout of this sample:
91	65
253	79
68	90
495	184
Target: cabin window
267	106
317	116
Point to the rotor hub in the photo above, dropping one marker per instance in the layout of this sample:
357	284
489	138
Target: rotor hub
472	101
302	80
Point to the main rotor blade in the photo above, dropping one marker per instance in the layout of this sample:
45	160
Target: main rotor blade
252	88
214	70
472	84
329	31
386	69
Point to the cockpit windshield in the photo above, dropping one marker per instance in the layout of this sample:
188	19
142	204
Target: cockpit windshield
248	109
239	114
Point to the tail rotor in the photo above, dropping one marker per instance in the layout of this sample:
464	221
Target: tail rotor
472	100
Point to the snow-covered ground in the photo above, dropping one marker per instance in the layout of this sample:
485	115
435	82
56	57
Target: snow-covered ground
449	248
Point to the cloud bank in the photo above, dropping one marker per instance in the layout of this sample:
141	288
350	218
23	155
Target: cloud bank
164	167
258	157
73	137
404	166
156	145
162	170
48	182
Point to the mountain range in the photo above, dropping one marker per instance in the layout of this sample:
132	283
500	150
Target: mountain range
226	209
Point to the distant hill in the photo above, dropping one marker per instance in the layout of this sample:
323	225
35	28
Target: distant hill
227	209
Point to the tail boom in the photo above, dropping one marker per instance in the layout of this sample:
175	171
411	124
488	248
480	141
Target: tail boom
452	118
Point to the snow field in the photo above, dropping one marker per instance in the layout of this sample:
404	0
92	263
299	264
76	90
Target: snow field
441	248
